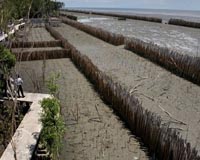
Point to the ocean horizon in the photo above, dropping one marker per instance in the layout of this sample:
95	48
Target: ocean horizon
192	15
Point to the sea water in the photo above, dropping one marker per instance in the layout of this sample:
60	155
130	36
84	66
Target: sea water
183	40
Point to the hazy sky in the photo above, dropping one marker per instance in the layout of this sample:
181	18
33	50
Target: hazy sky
152	4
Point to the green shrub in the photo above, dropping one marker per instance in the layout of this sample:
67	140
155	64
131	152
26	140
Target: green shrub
7	59
52	84
53	125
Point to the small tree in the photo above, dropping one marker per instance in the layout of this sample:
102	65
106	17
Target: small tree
7	61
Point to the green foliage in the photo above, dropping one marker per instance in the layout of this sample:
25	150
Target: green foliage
15	9
52	6
43	8
6	10
38	8
52	84
21	8
53	125
7	59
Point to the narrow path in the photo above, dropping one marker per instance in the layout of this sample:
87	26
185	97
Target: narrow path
92	129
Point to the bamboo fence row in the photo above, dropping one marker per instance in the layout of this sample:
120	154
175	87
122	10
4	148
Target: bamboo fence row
184	66
41	55
135	17
184	23
72	17
22	44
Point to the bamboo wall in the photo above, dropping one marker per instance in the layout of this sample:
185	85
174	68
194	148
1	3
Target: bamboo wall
41	55
184	23
183	65
22	44
72	17
135	17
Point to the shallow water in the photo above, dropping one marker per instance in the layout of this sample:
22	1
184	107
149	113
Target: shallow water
182	39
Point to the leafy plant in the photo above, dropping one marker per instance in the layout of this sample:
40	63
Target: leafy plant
15	9
53	125
52	84
7	59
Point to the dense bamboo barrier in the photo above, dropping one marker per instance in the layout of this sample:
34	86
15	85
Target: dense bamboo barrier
185	66
42	55
76	11
135	17
39	44
161	141
184	23
112	38
72	17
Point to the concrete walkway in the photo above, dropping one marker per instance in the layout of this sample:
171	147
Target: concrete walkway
27	134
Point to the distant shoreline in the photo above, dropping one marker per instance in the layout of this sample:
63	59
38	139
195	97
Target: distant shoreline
156	9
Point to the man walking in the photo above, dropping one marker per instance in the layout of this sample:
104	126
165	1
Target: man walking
19	83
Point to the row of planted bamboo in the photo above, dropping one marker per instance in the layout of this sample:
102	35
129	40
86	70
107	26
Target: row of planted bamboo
112	38
38	44
136	17
41	55
162	141
185	66
72	17
184	23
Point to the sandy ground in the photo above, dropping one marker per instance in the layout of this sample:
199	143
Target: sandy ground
39	34
34	34
183	39
92	130
157	89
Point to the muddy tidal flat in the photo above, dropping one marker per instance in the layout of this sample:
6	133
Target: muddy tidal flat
182	39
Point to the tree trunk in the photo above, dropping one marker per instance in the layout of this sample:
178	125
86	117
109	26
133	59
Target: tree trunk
29	10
